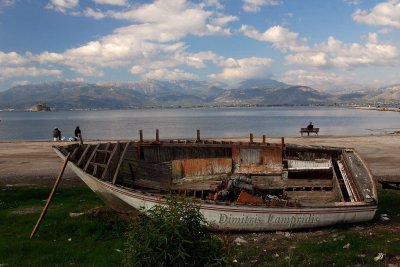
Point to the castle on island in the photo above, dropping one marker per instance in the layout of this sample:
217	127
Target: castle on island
40	107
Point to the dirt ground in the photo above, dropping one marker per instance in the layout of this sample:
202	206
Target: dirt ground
35	162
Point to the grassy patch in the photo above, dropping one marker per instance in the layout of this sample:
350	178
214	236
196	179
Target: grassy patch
86	240
98	240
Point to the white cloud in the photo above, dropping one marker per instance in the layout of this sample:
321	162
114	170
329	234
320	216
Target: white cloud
166	74
352	2
62	5
215	3
255	5
87	71
8	72
91	13
313	59
11	58
24	82
239	69
7	3
137	70
332	53
112	2
304	77
383	14
280	38
198	60
153	41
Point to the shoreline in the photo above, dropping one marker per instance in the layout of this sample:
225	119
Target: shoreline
35	162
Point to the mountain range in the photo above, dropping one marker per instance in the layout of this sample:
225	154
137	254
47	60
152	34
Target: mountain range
156	93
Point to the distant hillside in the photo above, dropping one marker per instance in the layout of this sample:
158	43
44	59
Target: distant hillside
390	93
155	93
292	95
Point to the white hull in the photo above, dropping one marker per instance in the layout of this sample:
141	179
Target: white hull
235	217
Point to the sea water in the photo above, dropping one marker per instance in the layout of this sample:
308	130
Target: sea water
183	122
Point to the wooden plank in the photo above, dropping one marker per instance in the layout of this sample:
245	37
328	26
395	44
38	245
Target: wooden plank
103	176
83	155
300	183
102	165
197	185
120	163
72	157
268	182
315	197
51	195
91	157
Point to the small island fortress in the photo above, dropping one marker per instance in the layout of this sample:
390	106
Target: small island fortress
239	186
40	107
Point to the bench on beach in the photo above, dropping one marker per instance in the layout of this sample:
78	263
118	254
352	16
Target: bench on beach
308	131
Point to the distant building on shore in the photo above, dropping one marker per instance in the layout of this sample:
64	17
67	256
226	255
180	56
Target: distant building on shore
40	107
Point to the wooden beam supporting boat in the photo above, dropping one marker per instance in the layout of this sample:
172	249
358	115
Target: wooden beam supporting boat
51	195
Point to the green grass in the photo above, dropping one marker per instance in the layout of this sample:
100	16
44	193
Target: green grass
95	240
98	240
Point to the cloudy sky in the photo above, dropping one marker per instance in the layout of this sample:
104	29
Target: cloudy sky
306	42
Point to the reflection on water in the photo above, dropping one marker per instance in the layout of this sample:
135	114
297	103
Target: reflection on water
213	122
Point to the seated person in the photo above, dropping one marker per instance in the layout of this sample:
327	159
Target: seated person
310	126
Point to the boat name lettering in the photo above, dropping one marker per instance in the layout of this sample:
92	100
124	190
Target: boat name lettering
228	219
290	220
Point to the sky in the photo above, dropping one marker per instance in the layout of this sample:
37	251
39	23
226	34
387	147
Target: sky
307	42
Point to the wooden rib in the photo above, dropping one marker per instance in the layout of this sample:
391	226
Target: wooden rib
120	163
107	146
109	161
83	155
74	153
91	157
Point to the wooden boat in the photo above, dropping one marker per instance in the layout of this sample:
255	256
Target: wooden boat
240	186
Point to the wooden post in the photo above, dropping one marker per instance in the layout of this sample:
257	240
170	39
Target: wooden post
283	142
51	195
141	136
80	139
198	136
157	136
264	139
251	138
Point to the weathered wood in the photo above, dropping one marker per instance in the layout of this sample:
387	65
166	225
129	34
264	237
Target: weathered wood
315	197
51	195
301	183
268	182
110	160
121	159
74	153
91	157
197	185
79	162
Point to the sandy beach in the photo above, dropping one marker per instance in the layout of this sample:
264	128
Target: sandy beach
35	162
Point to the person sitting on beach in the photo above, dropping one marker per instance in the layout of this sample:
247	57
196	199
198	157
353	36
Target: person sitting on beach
56	134
77	134
310	126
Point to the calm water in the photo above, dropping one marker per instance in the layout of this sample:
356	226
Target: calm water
213	122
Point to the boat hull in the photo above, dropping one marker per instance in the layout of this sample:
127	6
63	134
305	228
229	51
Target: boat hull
235	217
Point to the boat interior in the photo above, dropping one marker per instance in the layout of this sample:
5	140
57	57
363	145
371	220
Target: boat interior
255	173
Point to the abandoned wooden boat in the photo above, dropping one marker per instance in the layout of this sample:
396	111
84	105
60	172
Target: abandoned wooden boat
240	186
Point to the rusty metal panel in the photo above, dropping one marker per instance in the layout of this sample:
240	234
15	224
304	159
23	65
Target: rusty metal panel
250	155
257	160
200	167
